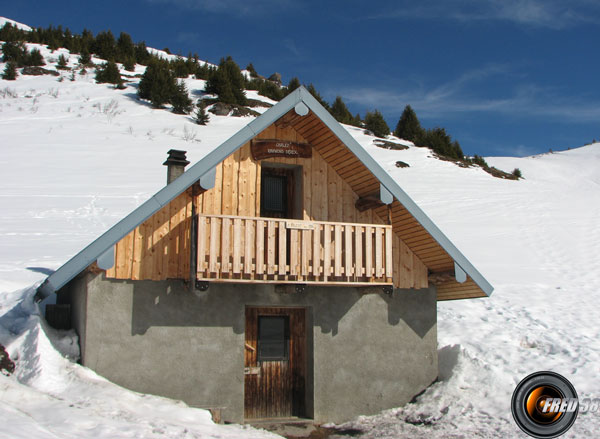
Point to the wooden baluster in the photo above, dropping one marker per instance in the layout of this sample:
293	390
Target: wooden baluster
248	246
358	234
282	249
316	254
326	252
294	252
378	252
305	252
260	247
348	248
368	251
337	257
237	246
270	247
225	245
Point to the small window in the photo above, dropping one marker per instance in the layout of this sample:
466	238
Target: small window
275	195
273	338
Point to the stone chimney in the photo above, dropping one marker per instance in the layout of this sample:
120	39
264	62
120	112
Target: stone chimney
175	164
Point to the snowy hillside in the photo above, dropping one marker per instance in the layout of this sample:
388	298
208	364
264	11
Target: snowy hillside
78	156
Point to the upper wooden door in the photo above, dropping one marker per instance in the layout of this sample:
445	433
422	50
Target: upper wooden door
277	192
275	363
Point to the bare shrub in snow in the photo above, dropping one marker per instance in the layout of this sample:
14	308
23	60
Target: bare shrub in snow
8	93
53	92
189	135
109	109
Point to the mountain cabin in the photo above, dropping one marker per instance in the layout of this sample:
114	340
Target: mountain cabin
284	275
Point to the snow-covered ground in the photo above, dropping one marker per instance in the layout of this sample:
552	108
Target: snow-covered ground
78	156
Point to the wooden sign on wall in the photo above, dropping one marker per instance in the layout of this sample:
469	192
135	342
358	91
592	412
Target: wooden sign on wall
267	148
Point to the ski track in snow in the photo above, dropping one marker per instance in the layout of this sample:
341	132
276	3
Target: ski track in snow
79	168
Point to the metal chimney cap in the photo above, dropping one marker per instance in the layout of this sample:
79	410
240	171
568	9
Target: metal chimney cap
176	157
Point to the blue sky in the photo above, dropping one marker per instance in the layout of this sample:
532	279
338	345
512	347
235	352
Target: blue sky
504	77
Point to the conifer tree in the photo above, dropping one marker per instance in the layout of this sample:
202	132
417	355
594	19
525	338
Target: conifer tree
219	84
62	62
292	85
252	70
125	47
14	51
313	91
158	84
180	100
87	41
142	56
227	82
375	123
34	58
10	71
269	89
440	142
202	71
129	64
109	73
9	32
201	117
105	46
340	111
236	79
408	127
85	58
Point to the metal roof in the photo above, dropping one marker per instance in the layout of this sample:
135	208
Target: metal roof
203	168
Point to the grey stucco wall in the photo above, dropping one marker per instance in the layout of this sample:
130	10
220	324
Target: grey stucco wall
366	351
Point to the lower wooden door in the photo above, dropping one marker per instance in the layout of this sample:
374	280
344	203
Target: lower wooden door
275	363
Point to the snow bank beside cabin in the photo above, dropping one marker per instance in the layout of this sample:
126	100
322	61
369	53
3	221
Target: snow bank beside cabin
50	396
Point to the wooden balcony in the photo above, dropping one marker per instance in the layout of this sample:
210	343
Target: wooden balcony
263	250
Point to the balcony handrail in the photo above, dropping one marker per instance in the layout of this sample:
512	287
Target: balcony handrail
265	218
282	250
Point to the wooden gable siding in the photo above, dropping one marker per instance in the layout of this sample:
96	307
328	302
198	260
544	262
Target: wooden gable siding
332	181
326	196
159	248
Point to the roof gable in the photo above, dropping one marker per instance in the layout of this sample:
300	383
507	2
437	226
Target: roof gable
303	111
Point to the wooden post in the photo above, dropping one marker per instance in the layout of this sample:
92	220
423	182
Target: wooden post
193	244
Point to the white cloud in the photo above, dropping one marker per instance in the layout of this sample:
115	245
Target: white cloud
458	96
233	7
554	14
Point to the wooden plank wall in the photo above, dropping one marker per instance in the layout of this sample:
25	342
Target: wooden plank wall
326	196
159	248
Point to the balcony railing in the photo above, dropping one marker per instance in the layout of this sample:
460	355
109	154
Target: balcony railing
260	250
